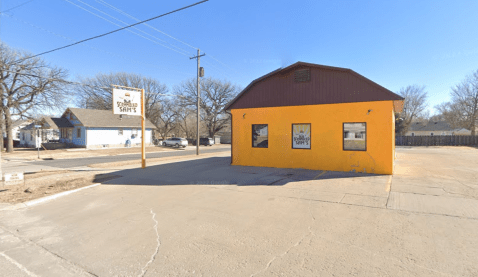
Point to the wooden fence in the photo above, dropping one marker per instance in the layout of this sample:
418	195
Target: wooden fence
435	140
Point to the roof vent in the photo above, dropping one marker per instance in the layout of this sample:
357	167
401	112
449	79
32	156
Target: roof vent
302	75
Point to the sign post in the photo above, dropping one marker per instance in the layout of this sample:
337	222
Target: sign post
130	101
143	146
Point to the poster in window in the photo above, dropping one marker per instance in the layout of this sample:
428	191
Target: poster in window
301	136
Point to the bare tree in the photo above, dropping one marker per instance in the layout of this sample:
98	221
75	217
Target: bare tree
28	85
97	92
215	94
164	116
462	111
414	105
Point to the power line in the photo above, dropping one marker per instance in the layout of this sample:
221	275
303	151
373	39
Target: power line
132	17
111	32
17	6
185	52
89	46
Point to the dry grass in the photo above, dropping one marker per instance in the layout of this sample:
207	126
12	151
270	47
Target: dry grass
47	183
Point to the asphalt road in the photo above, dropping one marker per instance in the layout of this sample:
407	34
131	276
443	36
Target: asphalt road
76	162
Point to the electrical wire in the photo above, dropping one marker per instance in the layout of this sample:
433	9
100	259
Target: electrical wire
111	32
17	6
185	52
132	17
91	47
120	26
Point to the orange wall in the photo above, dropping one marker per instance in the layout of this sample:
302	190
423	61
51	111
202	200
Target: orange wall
326	151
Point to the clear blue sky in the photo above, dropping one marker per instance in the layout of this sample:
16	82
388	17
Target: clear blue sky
394	43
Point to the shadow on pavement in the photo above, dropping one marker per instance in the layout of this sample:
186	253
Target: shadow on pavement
218	171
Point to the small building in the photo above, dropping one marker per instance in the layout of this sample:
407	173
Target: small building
103	129
42	131
16	127
315	117
435	128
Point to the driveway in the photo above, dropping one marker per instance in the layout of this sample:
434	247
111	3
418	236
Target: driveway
203	217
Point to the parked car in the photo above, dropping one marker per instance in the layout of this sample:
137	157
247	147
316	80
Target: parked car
205	141
178	142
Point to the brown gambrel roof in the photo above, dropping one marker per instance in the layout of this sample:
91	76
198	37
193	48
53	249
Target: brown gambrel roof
106	118
327	85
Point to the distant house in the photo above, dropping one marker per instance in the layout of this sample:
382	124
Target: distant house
45	130
16	126
103	129
435	128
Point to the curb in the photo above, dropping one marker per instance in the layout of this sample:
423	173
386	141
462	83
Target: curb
44	199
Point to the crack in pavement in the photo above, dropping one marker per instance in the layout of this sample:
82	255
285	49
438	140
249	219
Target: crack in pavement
283	254
153	257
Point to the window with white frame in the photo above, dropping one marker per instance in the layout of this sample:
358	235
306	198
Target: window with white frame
120	131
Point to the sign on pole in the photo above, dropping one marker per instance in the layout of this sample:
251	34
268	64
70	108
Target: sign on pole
126	102
131	102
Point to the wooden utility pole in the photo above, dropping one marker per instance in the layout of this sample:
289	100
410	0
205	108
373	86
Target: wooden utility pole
200	73
143	145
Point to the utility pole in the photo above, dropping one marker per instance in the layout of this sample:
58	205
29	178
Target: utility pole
199	75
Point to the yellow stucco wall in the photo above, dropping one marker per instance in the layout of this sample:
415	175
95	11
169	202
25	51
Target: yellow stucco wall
326	151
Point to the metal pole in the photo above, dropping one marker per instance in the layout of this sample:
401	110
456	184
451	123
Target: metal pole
143	147
199	99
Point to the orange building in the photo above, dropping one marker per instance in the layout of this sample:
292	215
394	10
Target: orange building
315	117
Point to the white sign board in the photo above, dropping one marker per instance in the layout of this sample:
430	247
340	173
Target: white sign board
11	178
126	102
301	136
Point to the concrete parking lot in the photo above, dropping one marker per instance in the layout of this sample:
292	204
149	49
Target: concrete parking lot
203	217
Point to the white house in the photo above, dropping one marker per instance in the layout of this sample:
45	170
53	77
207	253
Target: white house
16	126
435	128
45	130
103	129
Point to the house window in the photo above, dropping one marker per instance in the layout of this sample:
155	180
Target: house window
78	133
120	131
355	134
18	135
301	136
431	134
260	137
413	134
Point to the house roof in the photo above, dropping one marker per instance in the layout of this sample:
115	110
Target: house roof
430	126
325	85
106	118
20	122
56	123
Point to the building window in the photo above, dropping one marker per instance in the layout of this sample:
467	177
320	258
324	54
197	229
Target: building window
301	136
120	131
260	137
431	134
78	133
413	134
355	136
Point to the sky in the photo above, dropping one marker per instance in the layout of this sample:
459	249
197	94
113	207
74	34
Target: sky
393	43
